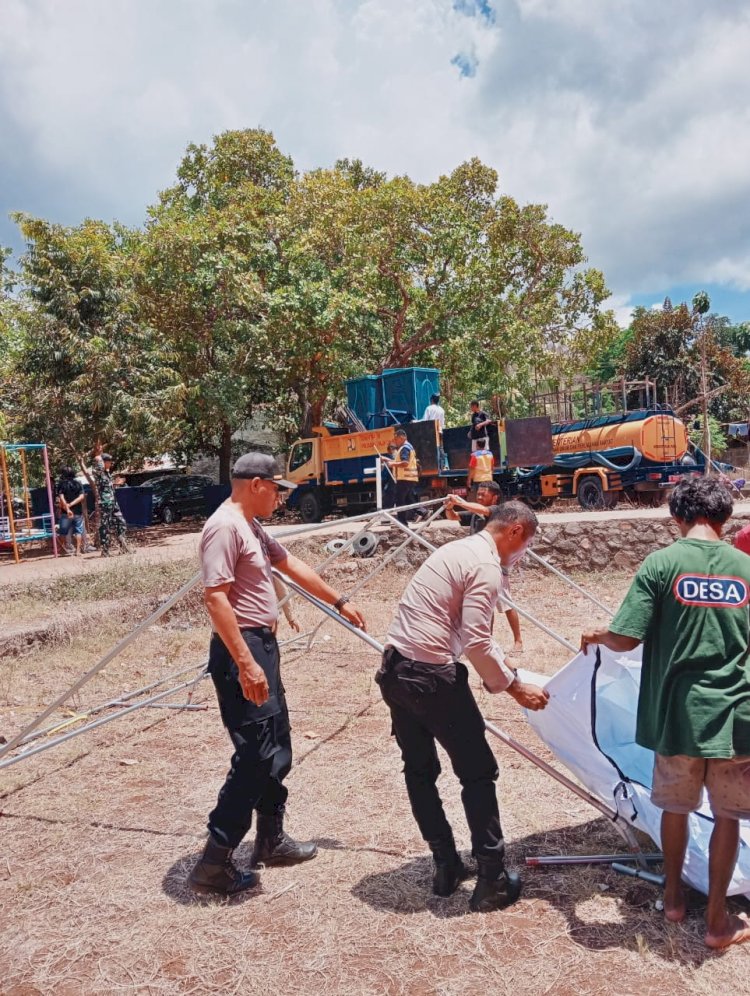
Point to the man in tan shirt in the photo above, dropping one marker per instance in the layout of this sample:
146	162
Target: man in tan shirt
236	556
446	610
488	495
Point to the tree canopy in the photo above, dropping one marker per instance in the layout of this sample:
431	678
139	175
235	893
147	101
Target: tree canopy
251	284
664	344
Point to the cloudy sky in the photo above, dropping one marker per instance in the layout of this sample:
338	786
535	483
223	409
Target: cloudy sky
629	118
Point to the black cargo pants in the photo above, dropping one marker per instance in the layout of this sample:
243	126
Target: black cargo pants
430	703
406	494
261	737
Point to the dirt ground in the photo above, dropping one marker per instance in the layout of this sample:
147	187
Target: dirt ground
97	837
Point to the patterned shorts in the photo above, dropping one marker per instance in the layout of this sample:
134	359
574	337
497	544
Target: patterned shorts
678	784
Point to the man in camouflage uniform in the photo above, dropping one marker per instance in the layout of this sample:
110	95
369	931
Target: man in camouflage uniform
111	518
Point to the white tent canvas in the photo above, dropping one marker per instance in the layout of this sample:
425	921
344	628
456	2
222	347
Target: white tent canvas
589	724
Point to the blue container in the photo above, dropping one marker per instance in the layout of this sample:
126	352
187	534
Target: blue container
136	505
364	395
215	495
407	391
39	502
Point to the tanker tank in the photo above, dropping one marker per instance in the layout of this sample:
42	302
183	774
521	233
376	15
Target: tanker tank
658	437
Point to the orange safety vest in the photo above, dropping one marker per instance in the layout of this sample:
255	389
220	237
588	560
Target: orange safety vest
410	472
483	464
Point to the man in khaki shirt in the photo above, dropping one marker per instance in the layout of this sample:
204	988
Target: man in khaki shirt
488	495
236	556
446	610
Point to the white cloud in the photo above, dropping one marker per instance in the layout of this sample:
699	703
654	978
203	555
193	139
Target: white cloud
632	121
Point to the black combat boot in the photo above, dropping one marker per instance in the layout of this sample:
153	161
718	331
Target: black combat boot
495	889
275	847
450	870
217	873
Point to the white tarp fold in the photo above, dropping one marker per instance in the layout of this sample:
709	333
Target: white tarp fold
589	724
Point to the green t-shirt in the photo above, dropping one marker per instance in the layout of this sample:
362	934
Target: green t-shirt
688	604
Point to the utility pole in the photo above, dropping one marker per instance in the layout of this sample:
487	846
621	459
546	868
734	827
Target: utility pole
701	304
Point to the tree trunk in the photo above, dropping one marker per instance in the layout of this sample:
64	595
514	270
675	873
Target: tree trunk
316	411
225	454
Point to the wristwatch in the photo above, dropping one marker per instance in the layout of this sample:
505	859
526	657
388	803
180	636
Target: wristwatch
340	603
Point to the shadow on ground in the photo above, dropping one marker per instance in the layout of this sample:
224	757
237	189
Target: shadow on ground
636	926
174	884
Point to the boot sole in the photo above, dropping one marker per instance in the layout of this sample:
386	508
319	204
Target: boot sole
486	906
210	890
280	862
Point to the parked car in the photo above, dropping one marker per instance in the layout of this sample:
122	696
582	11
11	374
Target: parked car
175	495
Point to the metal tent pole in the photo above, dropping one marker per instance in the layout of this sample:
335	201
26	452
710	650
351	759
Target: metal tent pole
569	580
413	534
336	554
97	723
113	652
285	533
110	703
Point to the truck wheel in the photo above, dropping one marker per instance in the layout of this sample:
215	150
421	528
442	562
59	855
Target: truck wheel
310	507
591	493
649	499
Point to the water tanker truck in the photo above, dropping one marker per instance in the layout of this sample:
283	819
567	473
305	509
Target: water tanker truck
596	460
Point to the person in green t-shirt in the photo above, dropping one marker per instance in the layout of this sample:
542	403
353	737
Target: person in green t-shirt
688	605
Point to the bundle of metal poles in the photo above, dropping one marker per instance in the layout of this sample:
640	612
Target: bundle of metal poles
33	732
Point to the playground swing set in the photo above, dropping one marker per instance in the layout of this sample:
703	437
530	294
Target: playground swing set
18	524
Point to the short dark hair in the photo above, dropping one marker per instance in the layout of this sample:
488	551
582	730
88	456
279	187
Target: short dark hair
492	486
400	432
434	398
475	402
701	498
510	512
67	473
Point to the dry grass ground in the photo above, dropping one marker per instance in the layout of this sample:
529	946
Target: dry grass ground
97	837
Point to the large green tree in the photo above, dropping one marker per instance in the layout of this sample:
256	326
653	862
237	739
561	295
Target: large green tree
665	345
385	273
9	334
81	370
205	262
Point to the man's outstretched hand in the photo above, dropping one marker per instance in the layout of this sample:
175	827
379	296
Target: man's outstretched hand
528	696
354	616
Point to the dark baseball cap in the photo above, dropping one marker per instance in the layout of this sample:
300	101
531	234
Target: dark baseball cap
251	465
106	458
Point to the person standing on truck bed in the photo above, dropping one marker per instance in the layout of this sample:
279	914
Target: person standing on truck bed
404	466
435	412
480	420
481	466
236	556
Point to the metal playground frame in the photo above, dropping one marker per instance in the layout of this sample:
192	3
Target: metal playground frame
146	697
30	528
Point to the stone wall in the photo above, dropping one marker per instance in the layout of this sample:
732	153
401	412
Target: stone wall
597	545
587	545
